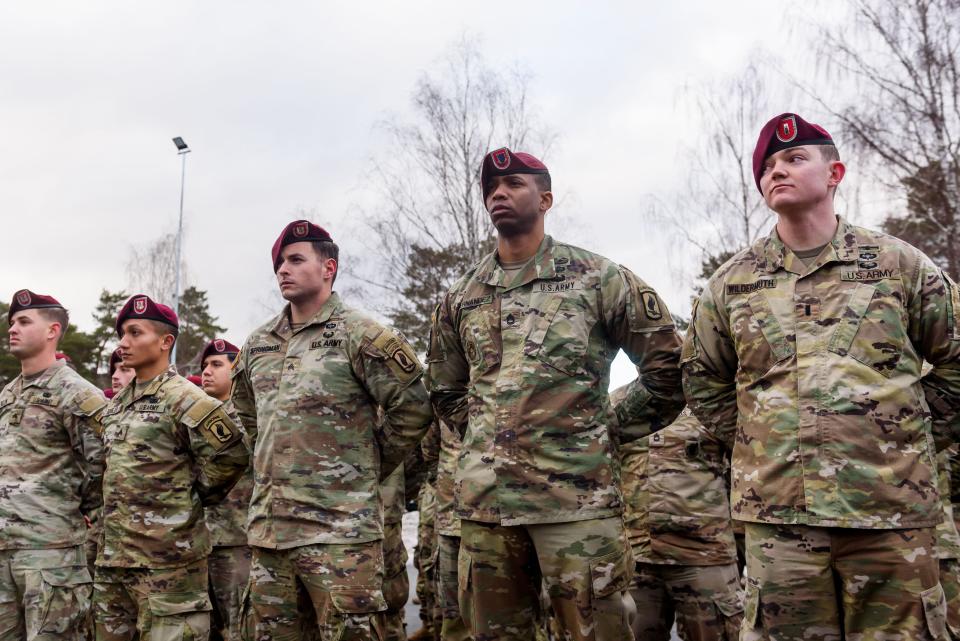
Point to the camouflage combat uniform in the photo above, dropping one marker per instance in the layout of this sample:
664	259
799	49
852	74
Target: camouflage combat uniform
396	584
441	447
812	373
312	399
169	448
521	368
229	561
948	541
51	470
678	520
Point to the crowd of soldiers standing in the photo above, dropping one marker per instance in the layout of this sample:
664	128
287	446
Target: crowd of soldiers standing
781	472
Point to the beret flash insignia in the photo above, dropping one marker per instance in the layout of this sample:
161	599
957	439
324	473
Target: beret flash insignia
140	305
300	230
23	297
501	158
219	345
787	129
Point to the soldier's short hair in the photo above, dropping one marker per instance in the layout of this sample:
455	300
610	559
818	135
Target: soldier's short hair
163	328
543	182
56	315
328	249
829	152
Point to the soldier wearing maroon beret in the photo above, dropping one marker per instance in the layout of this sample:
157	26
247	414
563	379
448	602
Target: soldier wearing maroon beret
520	357
171	450
338	398
806	355
51	472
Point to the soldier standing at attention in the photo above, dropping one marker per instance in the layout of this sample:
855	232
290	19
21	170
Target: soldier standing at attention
333	402
519	361
804	355
229	560
51	469
678	520
170	450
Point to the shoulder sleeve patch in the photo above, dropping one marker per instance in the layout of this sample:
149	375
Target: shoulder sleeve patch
199	411
399	355
91	405
219	430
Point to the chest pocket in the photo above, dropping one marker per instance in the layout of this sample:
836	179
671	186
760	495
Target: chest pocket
872	328
479	345
560	331
760	339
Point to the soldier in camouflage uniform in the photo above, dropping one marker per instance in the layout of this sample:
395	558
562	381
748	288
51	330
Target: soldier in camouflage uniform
678	519
171	449
441	447
229	562
804	355
948	541
519	360
426	564
396	584
333	402
51	470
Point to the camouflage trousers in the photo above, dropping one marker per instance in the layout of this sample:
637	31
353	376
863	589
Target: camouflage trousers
824	584
170	604
448	553
396	585
337	588
426	562
44	594
585	565
950	581
229	569
706	602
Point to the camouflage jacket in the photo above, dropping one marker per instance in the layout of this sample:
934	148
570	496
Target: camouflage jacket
522	372
948	538
311	401
813	376
441	448
170	450
227	521
677	512
51	459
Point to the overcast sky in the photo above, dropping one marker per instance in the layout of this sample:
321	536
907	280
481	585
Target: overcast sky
279	102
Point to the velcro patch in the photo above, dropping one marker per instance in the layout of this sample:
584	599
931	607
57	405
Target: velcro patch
150	408
400	357
651	305
218	430
749	288
476	301
868	274
91	405
560	285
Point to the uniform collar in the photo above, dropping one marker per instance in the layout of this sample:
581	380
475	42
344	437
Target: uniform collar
128	395
842	248
43	379
283	329
541	267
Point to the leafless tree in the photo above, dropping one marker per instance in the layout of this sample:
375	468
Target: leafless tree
719	210
899	58
151	269
429	223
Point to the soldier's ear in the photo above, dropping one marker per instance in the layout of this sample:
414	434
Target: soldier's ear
546	201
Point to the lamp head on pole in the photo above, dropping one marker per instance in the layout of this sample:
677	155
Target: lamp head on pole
182	147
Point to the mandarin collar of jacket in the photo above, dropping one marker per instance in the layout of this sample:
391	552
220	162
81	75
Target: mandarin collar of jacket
283	329
843	248
541	267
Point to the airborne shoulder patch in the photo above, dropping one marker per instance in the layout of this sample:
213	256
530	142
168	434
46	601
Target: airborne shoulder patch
651	305
400	357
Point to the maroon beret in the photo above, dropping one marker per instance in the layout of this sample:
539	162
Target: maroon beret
25	299
141	306
193	378
503	162
108	393
216	347
783	132
60	356
299	231
115	359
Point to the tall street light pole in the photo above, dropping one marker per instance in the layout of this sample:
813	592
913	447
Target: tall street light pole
182	151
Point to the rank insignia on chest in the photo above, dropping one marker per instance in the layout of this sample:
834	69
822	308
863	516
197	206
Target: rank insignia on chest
749	288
